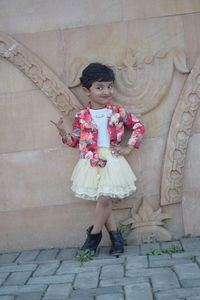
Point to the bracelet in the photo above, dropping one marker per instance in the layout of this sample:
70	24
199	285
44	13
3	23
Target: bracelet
64	138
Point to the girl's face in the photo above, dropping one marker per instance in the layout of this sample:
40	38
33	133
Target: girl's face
100	93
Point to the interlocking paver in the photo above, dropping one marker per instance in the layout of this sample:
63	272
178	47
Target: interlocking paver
104	262
46	255
54	274
58	292
188	271
136	262
52	279
67	254
17	278
3	276
146	247
190	244
28	255
10	290
165	281
18	268
65	268
8	258
29	296
46	269
140	291
95	292
110	297
122	281
116	271
86	280
177	293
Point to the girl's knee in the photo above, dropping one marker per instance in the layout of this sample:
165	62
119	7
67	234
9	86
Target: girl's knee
105	201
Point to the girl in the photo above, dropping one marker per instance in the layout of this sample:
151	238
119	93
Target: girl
102	173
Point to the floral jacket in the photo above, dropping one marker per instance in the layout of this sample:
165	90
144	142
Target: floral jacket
85	132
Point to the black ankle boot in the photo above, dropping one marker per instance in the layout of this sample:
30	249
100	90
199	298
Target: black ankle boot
92	240
117	243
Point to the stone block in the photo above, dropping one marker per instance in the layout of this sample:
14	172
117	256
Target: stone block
122	281
144	272
140	291
57	279
26	256
110	297
177	293
31	110
38	178
7	297
3	277
146	247
18	278
58	291
152	8
136	262
17	289
86	280
18	268
67	254
46	269
104	262
47	46
165	281
45	255
51	16
187	271
29	296
77	294
8	258
13	80
24	229
190	244
191	23
112	271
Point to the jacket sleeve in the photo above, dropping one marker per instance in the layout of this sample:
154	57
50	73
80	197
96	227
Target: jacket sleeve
73	138
134	124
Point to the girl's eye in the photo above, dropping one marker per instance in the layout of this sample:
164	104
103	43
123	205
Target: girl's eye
99	88
110	86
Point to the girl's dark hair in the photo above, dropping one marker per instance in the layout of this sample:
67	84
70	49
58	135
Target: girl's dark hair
96	72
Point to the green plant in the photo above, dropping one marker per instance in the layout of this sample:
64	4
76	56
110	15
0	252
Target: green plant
192	257
170	250
84	255
124	231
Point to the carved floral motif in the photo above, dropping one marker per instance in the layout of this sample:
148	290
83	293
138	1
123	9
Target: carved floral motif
141	85
147	225
62	98
179	133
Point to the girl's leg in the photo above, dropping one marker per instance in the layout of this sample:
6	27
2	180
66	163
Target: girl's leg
110	223
103	211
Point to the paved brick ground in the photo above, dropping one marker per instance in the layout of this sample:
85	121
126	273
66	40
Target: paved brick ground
53	274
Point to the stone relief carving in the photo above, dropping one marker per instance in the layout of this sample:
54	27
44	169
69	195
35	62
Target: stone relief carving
147	225
141	85
177	143
62	98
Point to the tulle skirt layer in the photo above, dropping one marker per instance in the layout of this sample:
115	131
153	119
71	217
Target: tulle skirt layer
116	179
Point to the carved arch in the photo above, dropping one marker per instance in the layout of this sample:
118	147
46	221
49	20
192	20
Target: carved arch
36	70
177	143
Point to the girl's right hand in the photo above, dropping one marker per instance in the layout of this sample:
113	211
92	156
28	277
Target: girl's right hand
60	126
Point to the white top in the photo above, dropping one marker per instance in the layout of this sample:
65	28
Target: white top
100	117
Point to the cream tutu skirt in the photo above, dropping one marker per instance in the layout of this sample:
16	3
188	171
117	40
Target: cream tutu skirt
115	180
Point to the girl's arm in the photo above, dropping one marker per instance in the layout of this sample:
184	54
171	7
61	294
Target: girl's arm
134	124
71	139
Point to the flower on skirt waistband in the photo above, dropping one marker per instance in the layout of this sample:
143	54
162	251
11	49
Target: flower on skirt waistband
98	162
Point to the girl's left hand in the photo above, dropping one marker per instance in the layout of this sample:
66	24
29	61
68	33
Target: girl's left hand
122	150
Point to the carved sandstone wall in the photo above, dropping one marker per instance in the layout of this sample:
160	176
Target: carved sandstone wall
153	47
